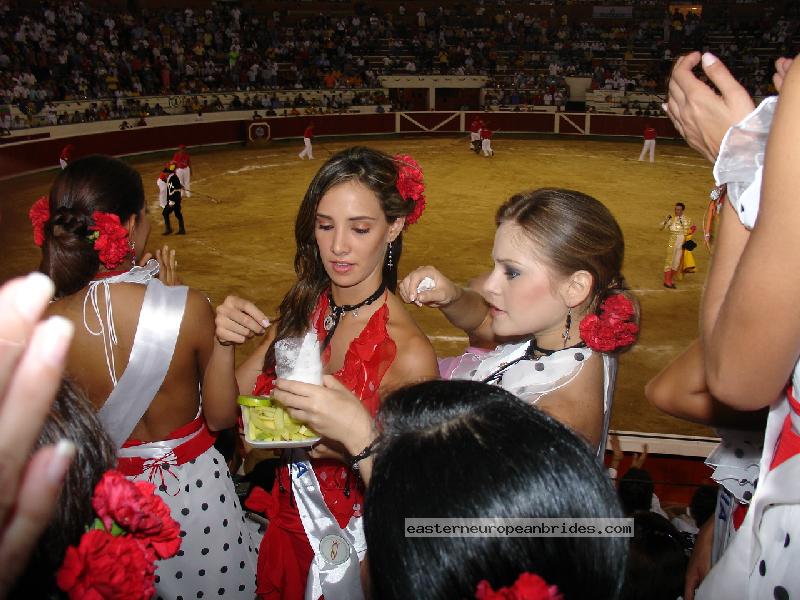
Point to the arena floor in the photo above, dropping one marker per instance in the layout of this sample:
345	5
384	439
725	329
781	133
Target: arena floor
243	243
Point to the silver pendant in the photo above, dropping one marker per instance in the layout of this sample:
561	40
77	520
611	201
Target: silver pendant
329	322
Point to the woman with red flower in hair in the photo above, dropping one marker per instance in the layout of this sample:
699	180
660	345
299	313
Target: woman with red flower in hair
557	290
349	240
140	351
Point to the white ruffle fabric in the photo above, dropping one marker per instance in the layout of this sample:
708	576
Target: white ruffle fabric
530	380
740	163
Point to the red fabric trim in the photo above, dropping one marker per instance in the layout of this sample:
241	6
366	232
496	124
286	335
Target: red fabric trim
788	439
788	444
739	513
191	449
107	274
793	403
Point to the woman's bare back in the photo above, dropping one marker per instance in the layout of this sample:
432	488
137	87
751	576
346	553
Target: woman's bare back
178	399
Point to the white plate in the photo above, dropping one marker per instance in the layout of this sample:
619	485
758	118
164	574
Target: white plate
275	445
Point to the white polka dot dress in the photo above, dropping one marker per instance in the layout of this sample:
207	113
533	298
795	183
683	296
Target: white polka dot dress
762	560
217	558
530	380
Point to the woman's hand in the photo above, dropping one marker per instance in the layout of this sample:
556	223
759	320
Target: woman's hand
168	266
237	320
444	291
700	114
330	409
32	358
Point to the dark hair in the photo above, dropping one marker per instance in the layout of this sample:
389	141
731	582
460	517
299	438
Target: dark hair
681	204
517	463
377	172
635	490
94	183
73	418
572	232
704	503
657	561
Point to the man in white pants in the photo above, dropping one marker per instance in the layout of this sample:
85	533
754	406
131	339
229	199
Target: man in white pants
486	141
308	135
649	143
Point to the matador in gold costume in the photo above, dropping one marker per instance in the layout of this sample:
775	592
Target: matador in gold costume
679	227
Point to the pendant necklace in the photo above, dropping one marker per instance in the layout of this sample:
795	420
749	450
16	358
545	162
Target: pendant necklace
337	312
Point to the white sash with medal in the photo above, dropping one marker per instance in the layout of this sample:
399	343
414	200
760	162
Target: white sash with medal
335	571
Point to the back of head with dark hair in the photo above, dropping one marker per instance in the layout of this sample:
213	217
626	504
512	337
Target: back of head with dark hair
72	417
704	503
635	490
657	561
463	449
94	183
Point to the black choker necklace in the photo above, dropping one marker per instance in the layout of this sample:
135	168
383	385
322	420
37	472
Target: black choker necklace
337	312
532	352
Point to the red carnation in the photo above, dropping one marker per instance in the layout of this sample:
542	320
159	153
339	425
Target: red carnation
164	538
618	308
104	566
118	500
411	186
39	214
134	507
112	242
526	587
613	328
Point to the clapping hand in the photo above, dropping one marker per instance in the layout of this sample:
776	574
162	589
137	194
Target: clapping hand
700	114
168	266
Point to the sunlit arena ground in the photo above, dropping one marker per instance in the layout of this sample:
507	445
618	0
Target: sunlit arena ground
240	228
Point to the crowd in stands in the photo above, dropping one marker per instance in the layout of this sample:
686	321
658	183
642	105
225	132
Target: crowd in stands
51	51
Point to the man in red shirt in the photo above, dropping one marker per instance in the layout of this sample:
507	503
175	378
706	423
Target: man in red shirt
183	169
66	155
475	135
486	141
649	142
308	135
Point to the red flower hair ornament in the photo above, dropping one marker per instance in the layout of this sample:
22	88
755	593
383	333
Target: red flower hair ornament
39	214
115	557
527	587
411	186
109	236
613	328
110	239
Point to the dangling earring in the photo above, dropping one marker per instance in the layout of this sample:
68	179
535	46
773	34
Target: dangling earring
568	324
389	262
132	244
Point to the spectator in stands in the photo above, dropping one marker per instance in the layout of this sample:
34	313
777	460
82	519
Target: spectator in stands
657	561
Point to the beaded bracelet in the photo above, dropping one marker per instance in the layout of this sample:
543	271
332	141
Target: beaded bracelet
365	453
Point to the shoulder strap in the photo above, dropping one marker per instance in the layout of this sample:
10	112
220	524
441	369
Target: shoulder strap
151	354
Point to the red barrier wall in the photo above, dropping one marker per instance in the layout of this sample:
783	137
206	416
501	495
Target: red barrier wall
43	153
